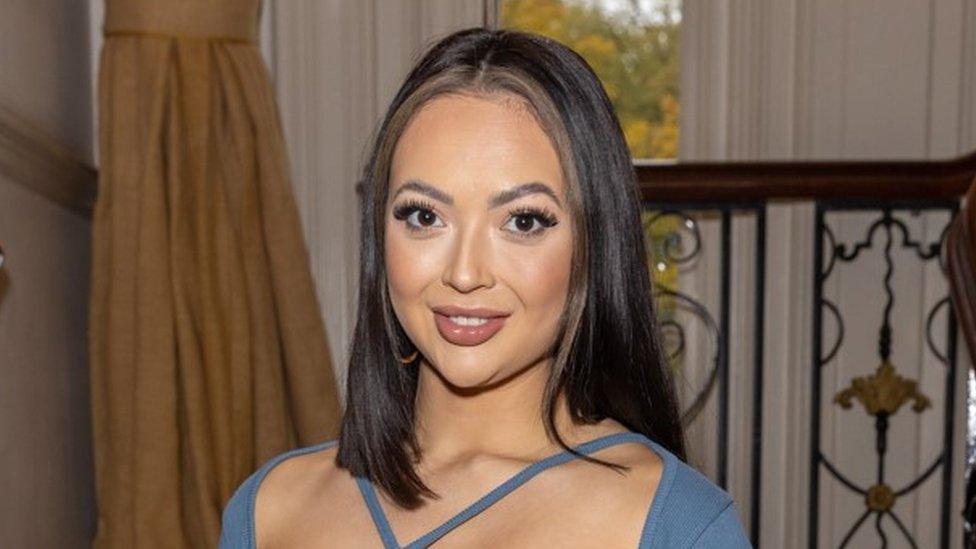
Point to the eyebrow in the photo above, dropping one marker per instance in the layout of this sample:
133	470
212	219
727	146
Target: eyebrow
498	199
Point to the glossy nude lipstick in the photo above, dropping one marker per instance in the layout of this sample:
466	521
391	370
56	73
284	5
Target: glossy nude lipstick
468	327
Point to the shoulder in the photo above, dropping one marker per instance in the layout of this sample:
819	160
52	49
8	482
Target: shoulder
272	482
689	510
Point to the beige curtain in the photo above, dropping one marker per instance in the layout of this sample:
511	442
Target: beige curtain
208	354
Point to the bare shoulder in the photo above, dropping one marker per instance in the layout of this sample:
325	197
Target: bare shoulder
296	494
630	495
637	483
612	504
643	465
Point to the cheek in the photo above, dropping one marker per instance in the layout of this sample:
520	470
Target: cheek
540	276
403	281
411	266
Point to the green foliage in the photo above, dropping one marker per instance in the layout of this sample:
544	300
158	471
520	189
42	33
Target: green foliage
635	55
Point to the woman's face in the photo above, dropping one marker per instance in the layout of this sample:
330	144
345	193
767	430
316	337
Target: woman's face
478	238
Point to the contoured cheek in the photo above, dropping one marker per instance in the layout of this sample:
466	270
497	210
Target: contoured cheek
539	275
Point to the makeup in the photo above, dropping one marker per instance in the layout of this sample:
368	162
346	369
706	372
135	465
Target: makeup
474	332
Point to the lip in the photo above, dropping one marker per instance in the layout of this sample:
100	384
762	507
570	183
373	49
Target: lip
480	312
468	336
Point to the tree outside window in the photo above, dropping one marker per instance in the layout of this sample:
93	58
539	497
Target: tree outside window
632	46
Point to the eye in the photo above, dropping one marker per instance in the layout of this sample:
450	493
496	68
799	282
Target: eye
528	222
418	215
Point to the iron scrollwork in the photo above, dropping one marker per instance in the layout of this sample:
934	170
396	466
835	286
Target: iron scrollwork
675	244
884	392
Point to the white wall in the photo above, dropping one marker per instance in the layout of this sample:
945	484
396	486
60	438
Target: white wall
46	477
45	69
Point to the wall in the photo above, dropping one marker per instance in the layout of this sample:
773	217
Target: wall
46	473
46	70
45	450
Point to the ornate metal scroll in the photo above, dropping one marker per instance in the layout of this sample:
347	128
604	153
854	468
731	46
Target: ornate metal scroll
885	392
674	244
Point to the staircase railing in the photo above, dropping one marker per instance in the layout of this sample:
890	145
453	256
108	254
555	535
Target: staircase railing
679	196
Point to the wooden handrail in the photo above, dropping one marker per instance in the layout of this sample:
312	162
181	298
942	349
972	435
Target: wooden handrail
33	160
760	181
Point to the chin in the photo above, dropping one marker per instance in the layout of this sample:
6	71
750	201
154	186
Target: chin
473	373
467	372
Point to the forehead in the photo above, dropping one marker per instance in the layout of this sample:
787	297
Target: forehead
476	144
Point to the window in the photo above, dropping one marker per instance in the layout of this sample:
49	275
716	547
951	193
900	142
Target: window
632	46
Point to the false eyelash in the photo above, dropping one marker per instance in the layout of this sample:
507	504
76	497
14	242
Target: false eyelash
404	210
544	216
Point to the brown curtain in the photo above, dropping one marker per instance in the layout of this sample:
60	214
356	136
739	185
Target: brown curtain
208	354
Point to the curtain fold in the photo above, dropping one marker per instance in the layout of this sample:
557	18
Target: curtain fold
207	350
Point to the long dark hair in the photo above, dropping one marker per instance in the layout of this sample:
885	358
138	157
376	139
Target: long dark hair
608	359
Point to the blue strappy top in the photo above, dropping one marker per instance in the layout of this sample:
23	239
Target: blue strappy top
688	510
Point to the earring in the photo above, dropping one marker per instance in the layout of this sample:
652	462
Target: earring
410	358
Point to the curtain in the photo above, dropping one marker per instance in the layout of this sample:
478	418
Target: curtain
207	350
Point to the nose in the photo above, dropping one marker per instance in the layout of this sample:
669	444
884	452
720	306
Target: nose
468	266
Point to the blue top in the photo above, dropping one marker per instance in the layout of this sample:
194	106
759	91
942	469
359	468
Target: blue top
688	509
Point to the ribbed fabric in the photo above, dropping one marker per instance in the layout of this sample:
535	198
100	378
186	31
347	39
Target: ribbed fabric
235	20
688	510
206	344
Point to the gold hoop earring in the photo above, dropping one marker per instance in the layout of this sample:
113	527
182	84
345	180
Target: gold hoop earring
410	358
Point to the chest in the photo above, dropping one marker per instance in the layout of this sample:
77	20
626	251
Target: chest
527	519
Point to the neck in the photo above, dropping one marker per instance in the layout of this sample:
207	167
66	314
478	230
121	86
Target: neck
503	420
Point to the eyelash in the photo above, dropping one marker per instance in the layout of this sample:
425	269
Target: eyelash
545	218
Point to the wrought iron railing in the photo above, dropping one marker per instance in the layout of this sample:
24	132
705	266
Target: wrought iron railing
679	195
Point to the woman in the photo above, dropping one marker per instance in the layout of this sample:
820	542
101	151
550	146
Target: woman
506	386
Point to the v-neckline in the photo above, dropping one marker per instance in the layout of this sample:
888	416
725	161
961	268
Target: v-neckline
385	530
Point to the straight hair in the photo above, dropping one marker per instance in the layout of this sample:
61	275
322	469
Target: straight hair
608	359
